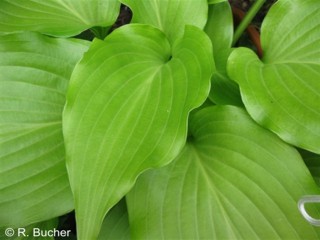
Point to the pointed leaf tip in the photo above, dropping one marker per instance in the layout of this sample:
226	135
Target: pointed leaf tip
126	111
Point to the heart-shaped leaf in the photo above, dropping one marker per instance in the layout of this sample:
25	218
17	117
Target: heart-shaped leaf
126	111
282	92
57	17
233	180
169	16
34	75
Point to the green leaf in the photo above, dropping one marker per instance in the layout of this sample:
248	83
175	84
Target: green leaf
116	223
233	180
127	108
171	17
34	75
281	92
57	17
220	30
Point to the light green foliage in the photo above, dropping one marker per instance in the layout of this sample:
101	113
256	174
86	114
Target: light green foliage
62	18
34	76
282	91
104	127
127	106
216	189
169	16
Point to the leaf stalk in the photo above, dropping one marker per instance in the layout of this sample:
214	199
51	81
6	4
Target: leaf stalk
247	20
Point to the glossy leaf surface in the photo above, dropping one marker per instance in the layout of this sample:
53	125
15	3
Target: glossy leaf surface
57	17
127	108
169	16
282	92
233	180
34	75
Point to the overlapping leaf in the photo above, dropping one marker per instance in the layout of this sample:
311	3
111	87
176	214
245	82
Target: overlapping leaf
169	16
57	17
220	30
126	111
116	223
282	92
233	180
34	75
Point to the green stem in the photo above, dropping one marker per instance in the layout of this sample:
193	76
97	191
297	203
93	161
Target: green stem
247	20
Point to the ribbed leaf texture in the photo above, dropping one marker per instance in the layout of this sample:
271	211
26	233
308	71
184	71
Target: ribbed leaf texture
233	180
34	76
282	91
61	18
126	111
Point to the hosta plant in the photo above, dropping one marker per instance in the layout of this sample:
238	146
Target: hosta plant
163	128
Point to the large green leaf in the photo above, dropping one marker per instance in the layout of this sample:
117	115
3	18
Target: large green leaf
126	111
34	75
169	16
57	17
282	92
233	180
220	30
